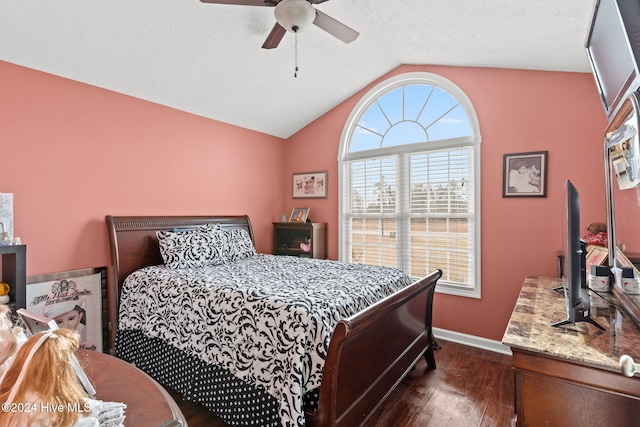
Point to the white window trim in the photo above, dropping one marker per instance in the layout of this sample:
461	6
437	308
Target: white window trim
349	127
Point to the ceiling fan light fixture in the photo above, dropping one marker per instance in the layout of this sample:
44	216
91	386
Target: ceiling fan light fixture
295	15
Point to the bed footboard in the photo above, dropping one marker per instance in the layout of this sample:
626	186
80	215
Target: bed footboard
372	351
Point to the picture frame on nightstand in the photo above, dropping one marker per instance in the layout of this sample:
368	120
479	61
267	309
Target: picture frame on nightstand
299	215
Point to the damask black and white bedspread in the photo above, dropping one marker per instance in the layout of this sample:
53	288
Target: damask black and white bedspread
266	320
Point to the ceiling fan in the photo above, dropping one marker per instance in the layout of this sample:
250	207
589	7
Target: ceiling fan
295	16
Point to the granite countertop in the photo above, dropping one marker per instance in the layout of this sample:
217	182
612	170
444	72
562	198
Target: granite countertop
539	306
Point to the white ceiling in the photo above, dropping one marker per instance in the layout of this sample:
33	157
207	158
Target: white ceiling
207	59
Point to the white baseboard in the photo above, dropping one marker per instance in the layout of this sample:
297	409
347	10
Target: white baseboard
472	341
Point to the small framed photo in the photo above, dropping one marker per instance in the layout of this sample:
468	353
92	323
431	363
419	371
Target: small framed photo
596	255
310	185
525	174
299	215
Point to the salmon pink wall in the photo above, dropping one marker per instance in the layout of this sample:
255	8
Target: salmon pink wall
73	153
518	111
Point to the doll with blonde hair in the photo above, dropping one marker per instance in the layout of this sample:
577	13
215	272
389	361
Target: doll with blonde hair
41	378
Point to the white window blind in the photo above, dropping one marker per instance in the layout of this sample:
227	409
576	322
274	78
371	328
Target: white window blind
441	213
374	211
412	203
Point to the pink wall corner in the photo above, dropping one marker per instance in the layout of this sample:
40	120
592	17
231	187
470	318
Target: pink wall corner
518	111
74	153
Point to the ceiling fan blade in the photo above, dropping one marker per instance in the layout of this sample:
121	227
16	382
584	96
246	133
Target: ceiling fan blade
335	28
274	37
244	2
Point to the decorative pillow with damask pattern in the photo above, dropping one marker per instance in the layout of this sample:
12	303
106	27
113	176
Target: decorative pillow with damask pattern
195	248
238	244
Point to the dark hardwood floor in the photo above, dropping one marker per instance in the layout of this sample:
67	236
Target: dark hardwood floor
470	387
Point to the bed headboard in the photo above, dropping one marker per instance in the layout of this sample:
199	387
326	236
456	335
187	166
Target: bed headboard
134	245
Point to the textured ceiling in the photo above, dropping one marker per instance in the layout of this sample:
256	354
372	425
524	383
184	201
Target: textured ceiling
207	59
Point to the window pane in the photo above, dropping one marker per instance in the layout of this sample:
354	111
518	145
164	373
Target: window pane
441	199
407	115
375	120
439	103
415	98
443	243
373	241
374	186
442	181
454	124
364	139
404	133
374	192
391	104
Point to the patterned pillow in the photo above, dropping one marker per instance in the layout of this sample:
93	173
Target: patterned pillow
210	227
238	244
192	248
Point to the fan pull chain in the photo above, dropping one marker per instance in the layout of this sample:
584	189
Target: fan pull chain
295	31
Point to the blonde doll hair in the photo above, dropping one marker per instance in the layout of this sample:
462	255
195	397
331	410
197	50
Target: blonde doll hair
48	379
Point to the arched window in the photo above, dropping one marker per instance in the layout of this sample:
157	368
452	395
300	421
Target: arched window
409	181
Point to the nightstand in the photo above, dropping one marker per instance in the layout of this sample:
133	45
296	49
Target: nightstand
292	238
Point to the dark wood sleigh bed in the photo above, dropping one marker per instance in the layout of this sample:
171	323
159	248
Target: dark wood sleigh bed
369	352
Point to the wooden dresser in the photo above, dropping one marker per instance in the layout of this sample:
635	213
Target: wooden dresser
570	376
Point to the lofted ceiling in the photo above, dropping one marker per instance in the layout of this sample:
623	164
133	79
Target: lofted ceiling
207	59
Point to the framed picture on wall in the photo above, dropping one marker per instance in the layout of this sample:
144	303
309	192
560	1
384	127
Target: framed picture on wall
74	300
525	174
310	185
